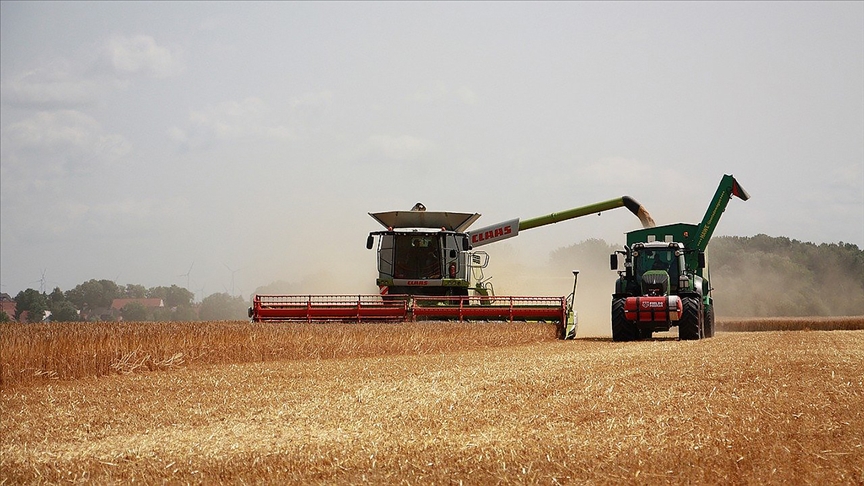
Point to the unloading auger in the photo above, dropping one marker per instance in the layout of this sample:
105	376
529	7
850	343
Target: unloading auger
428	270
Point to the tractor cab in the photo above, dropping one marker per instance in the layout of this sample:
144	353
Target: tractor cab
657	267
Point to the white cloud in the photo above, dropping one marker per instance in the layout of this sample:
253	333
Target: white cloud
85	79
57	144
141	55
249	119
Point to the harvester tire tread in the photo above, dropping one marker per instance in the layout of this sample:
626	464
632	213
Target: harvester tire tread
622	329
690	325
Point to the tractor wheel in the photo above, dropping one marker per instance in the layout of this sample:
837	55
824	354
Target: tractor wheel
690	325
622	329
708	324
645	333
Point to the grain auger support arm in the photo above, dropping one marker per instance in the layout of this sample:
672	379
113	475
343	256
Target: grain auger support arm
728	187
511	228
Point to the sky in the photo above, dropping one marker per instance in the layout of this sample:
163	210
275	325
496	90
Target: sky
224	146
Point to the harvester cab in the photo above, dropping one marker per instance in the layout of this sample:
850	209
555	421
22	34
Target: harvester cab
423	252
664	282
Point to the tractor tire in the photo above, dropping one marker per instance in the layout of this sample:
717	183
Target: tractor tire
708	324
622	329
690	325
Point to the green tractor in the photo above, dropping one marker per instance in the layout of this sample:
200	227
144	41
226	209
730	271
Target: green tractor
665	282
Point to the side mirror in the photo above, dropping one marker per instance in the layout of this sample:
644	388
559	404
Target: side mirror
369	242
452	253
465	244
701	259
613	261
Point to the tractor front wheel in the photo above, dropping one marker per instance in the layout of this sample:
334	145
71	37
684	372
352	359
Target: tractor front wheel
690	325
622	329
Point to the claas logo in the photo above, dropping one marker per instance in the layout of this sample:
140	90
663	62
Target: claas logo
490	234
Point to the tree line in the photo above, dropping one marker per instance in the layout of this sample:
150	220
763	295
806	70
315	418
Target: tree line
758	276
92	300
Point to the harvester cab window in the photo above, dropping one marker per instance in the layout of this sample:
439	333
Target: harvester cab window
418	257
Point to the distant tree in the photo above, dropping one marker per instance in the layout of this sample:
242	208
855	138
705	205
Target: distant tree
764	276
4	317
56	297
218	307
172	296
179	297
185	313
134	291
33	302
182	313
93	294
64	312
134	311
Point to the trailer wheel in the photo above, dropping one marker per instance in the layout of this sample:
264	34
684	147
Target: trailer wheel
690	325
709	321
622	329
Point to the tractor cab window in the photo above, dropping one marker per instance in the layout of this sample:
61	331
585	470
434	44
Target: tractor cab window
657	259
418	256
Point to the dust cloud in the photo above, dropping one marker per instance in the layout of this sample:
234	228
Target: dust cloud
513	273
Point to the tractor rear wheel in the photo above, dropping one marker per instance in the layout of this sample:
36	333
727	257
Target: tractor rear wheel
690	325
709	321
622	329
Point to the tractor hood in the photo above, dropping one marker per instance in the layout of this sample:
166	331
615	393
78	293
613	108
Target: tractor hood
426	219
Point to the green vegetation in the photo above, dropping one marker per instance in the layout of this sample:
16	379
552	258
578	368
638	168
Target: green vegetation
764	276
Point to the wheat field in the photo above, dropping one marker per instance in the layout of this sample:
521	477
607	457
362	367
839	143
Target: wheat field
430	404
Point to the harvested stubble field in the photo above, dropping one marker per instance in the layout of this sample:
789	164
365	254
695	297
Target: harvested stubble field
428	403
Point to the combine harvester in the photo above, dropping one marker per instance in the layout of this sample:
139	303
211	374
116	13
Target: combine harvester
665	281
426	266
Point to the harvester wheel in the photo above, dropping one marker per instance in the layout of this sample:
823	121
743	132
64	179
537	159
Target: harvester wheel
690	325
622	329
709	322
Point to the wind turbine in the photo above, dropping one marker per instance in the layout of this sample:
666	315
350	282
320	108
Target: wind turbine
187	275
232	276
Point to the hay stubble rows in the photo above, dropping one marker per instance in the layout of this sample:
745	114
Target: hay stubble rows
742	407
